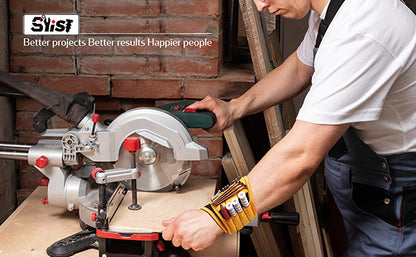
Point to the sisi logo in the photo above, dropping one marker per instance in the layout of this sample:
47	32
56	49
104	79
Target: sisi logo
50	24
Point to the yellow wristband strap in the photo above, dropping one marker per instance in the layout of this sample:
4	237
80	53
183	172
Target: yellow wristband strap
233	207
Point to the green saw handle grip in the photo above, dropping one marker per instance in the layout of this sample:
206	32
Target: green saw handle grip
192	118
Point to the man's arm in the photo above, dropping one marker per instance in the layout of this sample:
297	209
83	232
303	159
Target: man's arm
279	175
291	162
282	83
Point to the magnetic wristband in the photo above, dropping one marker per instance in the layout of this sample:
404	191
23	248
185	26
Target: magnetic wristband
232	207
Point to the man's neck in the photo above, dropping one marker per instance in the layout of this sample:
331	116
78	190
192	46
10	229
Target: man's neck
319	5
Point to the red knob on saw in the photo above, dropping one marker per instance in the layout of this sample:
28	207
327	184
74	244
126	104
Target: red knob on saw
42	162
95	117
93	217
94	171
44	181
132	144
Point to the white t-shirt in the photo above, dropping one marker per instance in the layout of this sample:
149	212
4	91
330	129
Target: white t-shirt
365	73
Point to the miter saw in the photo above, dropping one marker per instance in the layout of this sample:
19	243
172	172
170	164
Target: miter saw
92	165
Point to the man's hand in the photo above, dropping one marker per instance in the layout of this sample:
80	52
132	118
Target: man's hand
192	229
224	111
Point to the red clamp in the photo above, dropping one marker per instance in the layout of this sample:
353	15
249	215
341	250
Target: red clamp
94	171
132	144
44	201
266	217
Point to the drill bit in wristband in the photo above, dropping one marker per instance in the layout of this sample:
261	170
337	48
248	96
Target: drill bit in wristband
232	208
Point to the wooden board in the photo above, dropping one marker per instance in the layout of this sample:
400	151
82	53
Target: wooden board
229	167
156	207
303	200
262	236
33	227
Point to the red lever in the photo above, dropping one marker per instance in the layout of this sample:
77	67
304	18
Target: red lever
44	181
187	109
160	246
95	118
93	217
94	171
132	144
266	217
42	162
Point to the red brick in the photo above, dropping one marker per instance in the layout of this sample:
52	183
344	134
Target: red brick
24	165
28	137
200	88
185	25
94	85
112	65
200	133
16	22
214	146
146	88
22	194
27	77
128	104
211	167
30	178
112	8
24	120
112	25
19	7
149	47
43	6
182	66
107	104
90	48
108	115
58	45
17	46
206	51
47	64
230	84
27	104
190	7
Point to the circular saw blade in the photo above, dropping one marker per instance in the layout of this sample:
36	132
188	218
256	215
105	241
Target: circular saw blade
160	171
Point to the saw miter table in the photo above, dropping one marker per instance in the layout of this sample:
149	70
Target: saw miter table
123	177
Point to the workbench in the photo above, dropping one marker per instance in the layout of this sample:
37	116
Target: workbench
35	226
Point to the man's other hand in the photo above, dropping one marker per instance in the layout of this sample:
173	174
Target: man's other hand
192	229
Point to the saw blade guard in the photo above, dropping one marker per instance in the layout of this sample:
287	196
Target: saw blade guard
167	147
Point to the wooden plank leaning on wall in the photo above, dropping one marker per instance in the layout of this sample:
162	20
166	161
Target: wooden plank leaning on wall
308	229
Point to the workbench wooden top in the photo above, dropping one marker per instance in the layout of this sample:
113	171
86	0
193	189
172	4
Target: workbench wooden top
34	226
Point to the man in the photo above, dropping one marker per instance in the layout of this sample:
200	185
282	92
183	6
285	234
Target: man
361	108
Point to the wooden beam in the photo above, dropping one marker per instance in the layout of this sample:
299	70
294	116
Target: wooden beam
229	166
303	201
262	236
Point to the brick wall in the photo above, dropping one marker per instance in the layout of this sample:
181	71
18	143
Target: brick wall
121	77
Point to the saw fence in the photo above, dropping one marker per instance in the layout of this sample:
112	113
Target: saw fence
307	238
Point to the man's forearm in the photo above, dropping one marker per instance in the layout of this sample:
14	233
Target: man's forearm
282	83
290	163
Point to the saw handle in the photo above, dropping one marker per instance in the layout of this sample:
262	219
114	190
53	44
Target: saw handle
191	117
